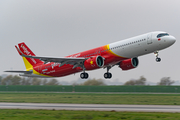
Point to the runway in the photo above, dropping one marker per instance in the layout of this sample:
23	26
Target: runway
95	107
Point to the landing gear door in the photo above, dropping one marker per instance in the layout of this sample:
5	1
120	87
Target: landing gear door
149	38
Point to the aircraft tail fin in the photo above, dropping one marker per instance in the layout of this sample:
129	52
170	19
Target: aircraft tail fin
29	62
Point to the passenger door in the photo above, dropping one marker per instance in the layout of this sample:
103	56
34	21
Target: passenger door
149	38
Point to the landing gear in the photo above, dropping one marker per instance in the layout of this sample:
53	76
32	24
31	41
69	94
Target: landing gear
157	58
84	75
108	75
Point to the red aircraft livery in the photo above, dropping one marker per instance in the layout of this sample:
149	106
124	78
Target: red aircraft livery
123	53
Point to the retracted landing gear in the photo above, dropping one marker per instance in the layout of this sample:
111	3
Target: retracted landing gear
157	58
108	75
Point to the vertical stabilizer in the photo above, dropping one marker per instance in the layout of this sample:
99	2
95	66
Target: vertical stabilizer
29	62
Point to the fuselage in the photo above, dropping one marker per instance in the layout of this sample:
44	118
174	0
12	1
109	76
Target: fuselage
112	53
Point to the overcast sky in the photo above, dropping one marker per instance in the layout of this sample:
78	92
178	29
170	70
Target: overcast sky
62	27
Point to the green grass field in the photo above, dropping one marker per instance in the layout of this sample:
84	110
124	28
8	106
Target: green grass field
17	114
92	98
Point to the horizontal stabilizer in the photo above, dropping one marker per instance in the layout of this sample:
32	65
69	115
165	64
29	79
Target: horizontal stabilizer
25	72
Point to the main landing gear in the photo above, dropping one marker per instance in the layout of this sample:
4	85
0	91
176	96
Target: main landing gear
157	58
84	75
108	75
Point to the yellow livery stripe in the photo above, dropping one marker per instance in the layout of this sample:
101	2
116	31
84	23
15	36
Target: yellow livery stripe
111	52
30	67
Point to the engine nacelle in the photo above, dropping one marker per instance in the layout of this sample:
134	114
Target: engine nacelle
129	64
94	63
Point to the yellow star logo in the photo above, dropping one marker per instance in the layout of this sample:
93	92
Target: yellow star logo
91	62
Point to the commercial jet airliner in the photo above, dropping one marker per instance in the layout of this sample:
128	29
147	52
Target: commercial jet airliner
123	53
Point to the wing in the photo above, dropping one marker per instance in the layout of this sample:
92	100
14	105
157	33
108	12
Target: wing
77	62
73	61
25	72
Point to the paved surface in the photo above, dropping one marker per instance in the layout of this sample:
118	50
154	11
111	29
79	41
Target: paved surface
96	107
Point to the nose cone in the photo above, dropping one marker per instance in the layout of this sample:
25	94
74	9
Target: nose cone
172	40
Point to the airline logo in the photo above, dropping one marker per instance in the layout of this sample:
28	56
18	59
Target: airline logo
25	50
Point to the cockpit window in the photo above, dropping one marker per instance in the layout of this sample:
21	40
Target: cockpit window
162	34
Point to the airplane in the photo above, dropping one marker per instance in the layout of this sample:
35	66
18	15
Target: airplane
123	53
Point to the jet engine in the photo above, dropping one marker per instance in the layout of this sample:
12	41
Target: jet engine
129	63
94	63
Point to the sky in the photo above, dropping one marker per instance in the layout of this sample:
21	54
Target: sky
63	27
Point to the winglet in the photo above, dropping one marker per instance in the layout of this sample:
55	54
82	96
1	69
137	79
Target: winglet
20	53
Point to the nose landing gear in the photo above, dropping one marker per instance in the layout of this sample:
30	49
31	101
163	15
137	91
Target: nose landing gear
157	58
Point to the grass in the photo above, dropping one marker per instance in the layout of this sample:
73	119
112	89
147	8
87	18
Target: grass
17	114
92	98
